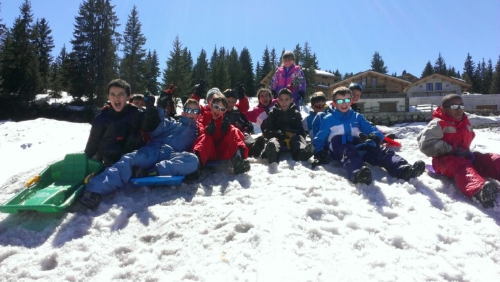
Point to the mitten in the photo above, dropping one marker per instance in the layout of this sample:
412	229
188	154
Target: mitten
225	124
210	129
199	89
171	89
375	138
241	90
464	153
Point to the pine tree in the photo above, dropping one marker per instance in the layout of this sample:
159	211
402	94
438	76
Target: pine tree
133	66
274	59
247	74
177	71
200	69
428	70
44	44
212	73
452	72
495	80
309	66
94	50
152	73
221	73
468	74
440	65
487	77
338	74
377	64
234	68
20	63
56	74
297	52
266	66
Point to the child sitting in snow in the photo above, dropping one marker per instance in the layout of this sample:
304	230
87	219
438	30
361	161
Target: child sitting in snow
138	100
318	105
447	140
236	116
116	130
221	140
242	104
339	137
283	130
166	154
260	112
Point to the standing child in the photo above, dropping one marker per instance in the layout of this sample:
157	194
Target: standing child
221	140
289	75
339	132
447	140
283	129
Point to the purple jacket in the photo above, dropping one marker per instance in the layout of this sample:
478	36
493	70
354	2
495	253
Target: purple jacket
284	76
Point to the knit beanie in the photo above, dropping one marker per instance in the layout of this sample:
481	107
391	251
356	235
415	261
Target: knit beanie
211	93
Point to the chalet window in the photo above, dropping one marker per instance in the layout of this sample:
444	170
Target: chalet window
374	81
363	81
428	87
388	107
439	86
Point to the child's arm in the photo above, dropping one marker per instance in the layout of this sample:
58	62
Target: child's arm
430	140
366	128
321	138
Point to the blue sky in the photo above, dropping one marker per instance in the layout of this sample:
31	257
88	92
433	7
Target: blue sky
343	34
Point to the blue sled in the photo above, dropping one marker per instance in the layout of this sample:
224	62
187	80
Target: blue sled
168	180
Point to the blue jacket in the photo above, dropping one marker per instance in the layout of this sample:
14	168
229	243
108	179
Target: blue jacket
348	125
178	134
316	123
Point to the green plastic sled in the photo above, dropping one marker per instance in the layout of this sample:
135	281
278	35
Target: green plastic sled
56	187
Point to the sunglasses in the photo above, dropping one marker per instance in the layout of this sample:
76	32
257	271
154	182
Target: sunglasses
319	106
217	107
189	111
455	107
341	101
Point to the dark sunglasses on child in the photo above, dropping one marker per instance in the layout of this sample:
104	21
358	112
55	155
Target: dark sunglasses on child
216	107
455	107
319	106
189	110
341	101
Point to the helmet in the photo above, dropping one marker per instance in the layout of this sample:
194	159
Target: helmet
355	85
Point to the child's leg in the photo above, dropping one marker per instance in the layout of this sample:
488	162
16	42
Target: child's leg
349	158
233	140
272	150
468	180
178	163
388	159
300	149
204	148
487	165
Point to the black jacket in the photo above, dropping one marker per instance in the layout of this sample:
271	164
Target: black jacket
239	120
116	133
278	122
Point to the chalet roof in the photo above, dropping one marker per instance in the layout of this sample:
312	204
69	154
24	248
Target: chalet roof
324	73
365	73
464	85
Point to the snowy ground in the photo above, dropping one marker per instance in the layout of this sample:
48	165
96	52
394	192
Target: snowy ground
281	222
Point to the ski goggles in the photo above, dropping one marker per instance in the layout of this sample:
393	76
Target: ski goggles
342	101
455	107
319	106
218	108
189	111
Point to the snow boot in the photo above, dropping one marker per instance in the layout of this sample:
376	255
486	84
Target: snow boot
487	196
195	175
271	153
306	153
239	164
412	171
258	147
90	200
142	172
362	175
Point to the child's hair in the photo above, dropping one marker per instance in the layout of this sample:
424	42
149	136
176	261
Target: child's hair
192	102
265	90
448	98
342	90
288	55
136	97
219	98
230	93
285	91
318	97
119	83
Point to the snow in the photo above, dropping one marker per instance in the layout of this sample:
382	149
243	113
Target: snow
279	222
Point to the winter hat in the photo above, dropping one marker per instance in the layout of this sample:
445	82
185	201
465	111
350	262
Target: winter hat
211	93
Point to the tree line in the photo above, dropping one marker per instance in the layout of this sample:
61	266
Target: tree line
28	67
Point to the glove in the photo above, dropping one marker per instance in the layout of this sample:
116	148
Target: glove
296	81
368	145
150	100
320	158
199	89
240	90
225	124
210	129
464	153
171	89
375	138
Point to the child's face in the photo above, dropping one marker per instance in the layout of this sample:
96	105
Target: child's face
342	102
457	113
264	98
191	111
319	106
139	103
231	102
356	94
118	98
284	100
218	109
287	62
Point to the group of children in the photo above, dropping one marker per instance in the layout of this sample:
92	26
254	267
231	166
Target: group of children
223	128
